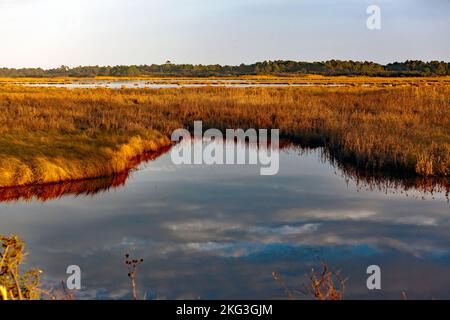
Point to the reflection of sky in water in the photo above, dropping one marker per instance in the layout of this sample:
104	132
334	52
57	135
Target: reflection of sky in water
156	84
219	232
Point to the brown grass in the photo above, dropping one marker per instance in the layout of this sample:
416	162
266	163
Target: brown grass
54	134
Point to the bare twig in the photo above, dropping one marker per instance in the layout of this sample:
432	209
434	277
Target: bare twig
132	266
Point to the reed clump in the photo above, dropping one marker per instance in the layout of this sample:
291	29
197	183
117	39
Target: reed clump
323	284
52	134
15	284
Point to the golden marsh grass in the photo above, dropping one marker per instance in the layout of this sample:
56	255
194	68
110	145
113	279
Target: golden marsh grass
59	134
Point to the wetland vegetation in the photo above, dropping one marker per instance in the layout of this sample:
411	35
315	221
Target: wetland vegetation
51	135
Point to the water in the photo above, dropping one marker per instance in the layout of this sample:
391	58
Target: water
158	84
220	231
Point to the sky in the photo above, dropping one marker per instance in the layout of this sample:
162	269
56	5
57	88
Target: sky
50	33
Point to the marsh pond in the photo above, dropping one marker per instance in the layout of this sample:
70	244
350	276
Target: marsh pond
212	232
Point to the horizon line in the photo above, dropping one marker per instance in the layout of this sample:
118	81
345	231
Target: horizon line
224	65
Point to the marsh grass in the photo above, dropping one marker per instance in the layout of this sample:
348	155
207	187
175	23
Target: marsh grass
57	134
87	187
43	157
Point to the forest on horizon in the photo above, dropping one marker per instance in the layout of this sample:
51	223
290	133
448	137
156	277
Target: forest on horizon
412	68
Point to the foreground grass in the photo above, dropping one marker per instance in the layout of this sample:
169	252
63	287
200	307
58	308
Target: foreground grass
55	134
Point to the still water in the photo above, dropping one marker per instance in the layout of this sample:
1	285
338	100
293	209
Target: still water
157	84
213	232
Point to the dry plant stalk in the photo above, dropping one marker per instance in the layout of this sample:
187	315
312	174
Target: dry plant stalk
283	284
132	266
323	285
326	284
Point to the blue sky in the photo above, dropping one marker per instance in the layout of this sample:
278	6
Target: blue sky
49	33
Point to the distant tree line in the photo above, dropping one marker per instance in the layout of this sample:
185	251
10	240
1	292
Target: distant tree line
281	67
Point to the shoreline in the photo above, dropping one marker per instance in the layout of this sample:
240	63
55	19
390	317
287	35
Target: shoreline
306	78
382	180
90	186
123	158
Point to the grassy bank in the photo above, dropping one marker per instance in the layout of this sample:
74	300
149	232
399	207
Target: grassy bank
54	134
41	157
